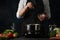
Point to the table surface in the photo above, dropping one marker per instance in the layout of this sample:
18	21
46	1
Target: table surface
30	39
58	38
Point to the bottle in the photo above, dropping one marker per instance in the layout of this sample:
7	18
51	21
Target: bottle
13	26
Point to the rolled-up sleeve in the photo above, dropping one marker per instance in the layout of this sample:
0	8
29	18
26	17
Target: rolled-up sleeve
20	6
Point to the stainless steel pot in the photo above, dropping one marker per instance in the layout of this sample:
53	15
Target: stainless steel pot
33	28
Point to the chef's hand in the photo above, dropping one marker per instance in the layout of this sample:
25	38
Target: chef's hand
30	5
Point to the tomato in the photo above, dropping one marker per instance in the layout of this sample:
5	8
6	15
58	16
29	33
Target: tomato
14	35
0	35
10	35
57	35
5	35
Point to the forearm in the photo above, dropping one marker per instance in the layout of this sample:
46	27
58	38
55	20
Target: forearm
22	11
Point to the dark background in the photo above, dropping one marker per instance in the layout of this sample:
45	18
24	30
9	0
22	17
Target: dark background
8	10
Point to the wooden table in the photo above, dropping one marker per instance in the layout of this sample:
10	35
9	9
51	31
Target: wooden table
54	38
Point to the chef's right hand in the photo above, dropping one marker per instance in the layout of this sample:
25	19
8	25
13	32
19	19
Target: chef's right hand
30	5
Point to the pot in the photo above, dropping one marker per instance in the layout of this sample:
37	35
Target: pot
33	28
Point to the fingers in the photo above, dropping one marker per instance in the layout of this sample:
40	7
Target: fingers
30	5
